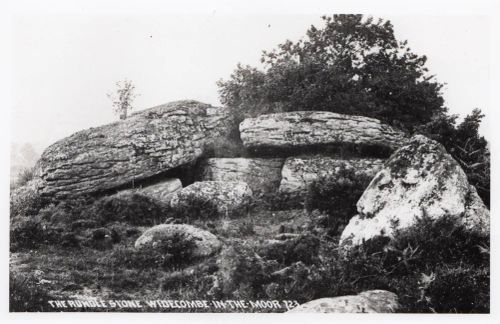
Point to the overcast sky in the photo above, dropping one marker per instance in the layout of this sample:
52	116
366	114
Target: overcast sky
63	66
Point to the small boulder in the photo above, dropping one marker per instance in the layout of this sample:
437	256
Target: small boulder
420	179
205	242
212	199
263	176
161	191
371	301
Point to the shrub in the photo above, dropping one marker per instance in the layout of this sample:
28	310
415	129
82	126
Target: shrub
26	295
459	289
24	176
300	282
193	276
67	212
134	208
243	272
337	196
25	201
32	232
302	248
426	265
441	241
102	238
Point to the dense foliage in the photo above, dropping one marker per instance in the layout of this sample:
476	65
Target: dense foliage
433	266
466	145
336	196
355	65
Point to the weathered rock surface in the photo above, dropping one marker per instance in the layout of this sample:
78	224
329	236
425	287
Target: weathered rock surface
307	128
212	198
206	243
161	191
262	175
299	173
419	179
371	301
148	143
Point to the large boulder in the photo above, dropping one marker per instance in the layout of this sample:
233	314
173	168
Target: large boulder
146	144
420	179
161	191
299	173
262	175
205	242
316	128
371	301
212	199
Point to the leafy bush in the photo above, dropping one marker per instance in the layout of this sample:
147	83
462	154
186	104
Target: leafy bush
134	208
25	201
24	176
426	266
243	272
30	232
459	289
68	211
466	145
352	65
301	282
433	266
337	196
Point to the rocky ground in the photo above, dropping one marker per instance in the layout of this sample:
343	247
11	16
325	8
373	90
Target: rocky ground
87	272
331	212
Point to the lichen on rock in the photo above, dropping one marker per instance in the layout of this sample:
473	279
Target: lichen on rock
262	175
205	243
371	301
205	199
420	179
146	144
316	128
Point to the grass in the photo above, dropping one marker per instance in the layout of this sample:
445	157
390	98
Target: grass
256	264
114	274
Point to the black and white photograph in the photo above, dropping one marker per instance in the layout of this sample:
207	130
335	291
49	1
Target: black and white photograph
330	161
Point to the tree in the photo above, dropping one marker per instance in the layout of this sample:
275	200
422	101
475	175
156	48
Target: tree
123	98
353	65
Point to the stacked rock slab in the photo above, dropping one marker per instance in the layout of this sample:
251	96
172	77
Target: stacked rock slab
205	242
212	199
300	172
316	128
144	145
371	301
262	175
420	179
161	191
